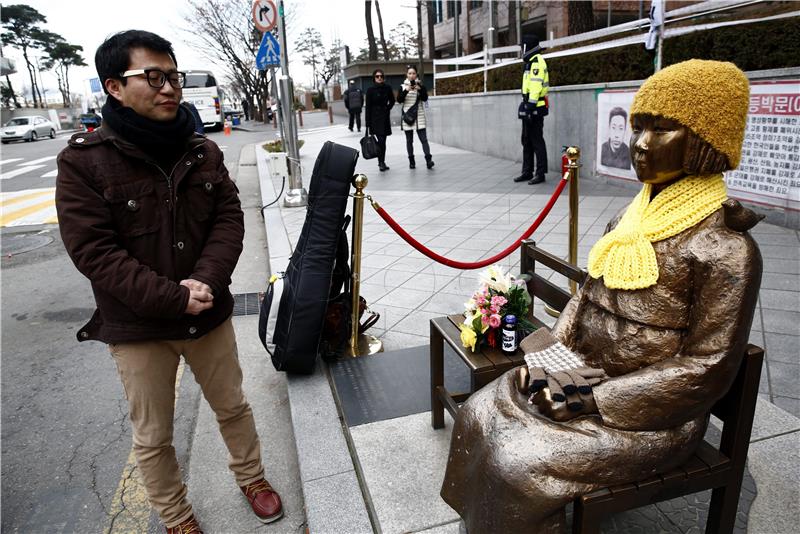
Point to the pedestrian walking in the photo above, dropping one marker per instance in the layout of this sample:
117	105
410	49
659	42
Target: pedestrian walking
354	101
532	111
149	215
411	97
246	109
379	102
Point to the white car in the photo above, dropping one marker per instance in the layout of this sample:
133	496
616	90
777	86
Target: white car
29	128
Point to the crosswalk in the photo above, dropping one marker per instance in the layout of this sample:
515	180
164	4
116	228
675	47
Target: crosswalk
29	206
24	167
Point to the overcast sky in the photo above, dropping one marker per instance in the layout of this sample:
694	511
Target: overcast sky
89	22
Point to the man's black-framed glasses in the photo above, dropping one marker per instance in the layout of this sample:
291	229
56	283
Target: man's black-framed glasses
157	78
379	75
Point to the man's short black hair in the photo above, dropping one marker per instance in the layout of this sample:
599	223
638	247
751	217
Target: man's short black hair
617	111
113	56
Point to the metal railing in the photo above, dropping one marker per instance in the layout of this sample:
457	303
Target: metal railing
487	59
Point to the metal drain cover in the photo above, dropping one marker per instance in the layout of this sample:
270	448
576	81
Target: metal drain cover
19	243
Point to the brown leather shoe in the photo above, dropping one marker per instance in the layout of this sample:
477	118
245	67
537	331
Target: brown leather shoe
190	526
264	500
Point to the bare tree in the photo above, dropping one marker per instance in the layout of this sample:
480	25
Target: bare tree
8	90
373	48
404	39
332	63
22	21
513	38
313	52
580	17
60	57
431	34
225	34
386	54
420	55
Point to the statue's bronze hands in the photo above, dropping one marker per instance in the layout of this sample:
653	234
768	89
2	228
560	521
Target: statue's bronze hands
567	394
571	407
529	380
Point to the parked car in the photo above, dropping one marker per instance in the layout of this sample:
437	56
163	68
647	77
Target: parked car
29	128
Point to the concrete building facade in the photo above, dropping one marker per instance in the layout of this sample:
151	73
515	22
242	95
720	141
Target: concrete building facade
470	20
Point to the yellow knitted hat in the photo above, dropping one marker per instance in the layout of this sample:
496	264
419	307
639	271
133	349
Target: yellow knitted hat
708	97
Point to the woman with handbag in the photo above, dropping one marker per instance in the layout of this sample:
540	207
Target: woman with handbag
379	101
411	95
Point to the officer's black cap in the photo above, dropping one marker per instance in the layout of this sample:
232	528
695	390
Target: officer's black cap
530	43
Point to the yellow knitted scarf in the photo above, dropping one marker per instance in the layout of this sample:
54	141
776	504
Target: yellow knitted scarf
624	257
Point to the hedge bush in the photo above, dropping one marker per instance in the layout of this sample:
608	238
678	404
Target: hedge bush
763	45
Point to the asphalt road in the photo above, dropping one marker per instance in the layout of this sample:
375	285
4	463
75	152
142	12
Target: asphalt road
65	431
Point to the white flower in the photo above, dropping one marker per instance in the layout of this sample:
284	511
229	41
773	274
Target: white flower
470	305
496	279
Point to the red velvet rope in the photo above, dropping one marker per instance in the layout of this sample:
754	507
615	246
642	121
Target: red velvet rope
476	264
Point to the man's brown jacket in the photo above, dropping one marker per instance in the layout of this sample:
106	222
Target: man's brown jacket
136	230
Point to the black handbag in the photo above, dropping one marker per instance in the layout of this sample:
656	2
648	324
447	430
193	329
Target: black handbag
369	146
410	115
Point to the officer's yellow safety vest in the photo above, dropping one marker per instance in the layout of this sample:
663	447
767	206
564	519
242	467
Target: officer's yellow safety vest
536	81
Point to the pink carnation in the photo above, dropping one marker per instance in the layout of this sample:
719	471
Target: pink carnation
494	320
485	319
499	300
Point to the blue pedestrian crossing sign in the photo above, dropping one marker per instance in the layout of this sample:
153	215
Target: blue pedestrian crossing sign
269	52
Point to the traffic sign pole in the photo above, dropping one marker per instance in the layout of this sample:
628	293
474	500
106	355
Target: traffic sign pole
296	196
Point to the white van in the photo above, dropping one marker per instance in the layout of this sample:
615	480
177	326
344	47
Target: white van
201	89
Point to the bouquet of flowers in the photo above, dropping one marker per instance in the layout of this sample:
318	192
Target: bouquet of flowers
499	294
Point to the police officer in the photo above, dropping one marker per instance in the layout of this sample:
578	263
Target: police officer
533	109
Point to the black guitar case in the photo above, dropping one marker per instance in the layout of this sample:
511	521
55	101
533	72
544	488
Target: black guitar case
307	281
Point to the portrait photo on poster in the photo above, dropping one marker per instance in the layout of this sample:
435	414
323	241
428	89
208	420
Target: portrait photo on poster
614	134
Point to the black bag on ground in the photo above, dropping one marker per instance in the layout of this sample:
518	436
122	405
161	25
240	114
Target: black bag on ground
307	281
336	330
369	146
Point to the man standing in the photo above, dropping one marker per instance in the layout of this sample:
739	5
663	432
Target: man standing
148	213
354	101
246	109
534	107
614	152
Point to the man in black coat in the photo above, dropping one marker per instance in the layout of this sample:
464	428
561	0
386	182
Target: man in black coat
380	100
354	101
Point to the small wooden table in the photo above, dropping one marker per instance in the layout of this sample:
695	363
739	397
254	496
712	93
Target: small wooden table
485	365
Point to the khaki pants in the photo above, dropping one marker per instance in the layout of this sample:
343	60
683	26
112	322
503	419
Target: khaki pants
148	371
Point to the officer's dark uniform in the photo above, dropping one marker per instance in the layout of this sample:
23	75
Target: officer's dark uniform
535	85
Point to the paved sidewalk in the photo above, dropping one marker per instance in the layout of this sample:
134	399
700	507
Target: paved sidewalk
386	474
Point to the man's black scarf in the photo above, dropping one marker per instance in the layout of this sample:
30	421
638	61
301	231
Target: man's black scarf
163	140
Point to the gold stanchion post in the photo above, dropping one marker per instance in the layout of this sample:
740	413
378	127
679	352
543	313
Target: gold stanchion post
360	345
573	155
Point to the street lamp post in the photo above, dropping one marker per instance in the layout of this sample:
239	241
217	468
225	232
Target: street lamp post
296	196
